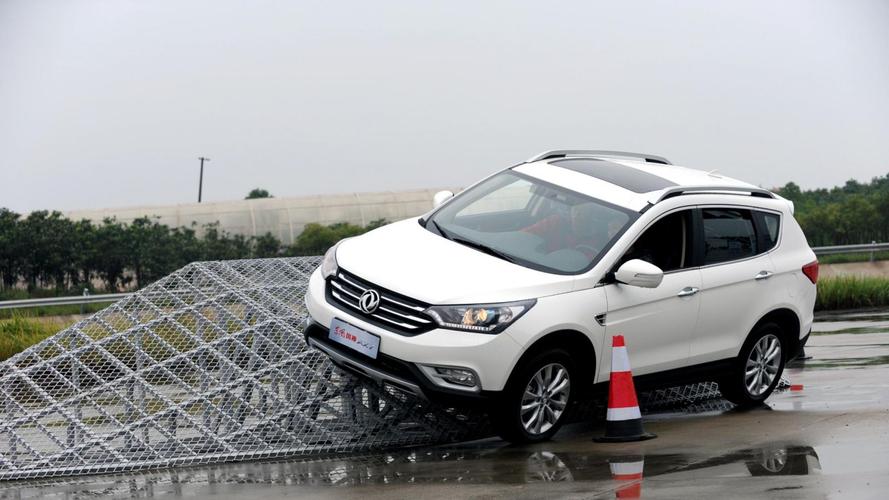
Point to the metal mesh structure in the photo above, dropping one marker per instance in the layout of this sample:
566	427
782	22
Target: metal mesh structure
692	398
206	365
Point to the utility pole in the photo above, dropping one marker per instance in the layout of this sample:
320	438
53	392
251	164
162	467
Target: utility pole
201	179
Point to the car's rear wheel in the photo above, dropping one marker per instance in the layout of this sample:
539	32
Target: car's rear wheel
536	399
757	370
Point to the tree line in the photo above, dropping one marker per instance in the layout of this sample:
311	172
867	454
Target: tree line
45	250
857	212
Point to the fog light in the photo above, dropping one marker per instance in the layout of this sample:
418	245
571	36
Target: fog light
457	376
452	377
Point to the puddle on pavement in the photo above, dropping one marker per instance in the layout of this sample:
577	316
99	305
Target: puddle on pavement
471	465
853	322
846	362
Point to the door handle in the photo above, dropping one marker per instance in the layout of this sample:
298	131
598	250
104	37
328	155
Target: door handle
688	291
763	275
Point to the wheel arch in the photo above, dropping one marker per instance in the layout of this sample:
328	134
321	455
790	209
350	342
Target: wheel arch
578	345
789	322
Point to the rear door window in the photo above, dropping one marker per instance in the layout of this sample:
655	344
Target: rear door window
729	234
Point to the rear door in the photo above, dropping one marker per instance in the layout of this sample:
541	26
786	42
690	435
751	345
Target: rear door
658	323
736	271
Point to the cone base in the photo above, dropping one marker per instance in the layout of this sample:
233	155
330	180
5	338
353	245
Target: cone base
625	439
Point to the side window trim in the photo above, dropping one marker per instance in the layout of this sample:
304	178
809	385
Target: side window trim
697	222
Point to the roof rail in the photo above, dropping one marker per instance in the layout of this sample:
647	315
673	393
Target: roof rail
563	153
682	190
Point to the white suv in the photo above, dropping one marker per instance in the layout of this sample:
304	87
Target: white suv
510	292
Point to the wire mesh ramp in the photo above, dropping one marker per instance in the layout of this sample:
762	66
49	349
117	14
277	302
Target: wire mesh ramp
206	365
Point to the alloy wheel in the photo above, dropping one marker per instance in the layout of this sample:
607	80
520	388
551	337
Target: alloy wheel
545	398
762	365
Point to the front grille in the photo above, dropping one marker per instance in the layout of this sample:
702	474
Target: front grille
396	312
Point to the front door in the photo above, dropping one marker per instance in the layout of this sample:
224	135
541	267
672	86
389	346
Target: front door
658	323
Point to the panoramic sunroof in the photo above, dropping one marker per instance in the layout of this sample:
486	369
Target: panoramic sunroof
626	177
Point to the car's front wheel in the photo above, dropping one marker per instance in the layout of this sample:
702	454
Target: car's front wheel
536	399
757	370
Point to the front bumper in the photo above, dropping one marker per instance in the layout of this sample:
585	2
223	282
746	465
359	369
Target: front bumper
491	357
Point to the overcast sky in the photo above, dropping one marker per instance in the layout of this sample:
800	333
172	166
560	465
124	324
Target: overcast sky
109	103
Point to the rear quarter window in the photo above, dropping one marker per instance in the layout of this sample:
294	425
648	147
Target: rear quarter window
772	223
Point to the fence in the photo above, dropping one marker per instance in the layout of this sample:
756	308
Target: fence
872	248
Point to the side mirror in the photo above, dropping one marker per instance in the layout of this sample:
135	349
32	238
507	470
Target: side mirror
441	197
639	273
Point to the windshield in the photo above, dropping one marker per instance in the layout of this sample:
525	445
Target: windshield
532	223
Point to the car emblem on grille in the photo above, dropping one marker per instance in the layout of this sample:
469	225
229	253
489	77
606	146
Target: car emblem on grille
369	301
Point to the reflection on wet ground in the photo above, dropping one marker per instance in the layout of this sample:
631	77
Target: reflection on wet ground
847	362
835	423
857	322
484	464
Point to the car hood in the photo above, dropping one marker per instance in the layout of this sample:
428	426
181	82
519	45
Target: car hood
406	258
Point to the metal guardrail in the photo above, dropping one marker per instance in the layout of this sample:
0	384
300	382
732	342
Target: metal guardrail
62	301
872	247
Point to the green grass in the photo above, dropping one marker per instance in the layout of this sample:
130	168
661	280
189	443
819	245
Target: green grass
850	292
845	258
20	332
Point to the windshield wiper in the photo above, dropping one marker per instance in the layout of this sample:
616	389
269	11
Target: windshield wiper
444	234
483	248
469	243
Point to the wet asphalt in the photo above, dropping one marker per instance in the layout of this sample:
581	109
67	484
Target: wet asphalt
828	437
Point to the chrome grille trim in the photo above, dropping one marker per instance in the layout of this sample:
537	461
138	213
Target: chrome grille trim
396	312
387	299
406	316
340	288
403	325
390	311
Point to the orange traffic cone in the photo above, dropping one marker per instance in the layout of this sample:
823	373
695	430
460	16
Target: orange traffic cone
624	420
628	472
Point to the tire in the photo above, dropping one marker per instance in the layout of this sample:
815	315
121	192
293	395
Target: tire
506	414
736	385
792	461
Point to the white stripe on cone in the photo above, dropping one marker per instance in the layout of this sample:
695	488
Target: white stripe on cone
627	468
620	360
623	413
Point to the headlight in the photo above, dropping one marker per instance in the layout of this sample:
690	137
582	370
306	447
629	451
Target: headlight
329	266
482	318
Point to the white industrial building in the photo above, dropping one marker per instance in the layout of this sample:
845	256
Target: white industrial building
282	217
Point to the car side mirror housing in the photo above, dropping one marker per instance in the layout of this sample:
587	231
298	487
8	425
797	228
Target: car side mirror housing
639	273
441	197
